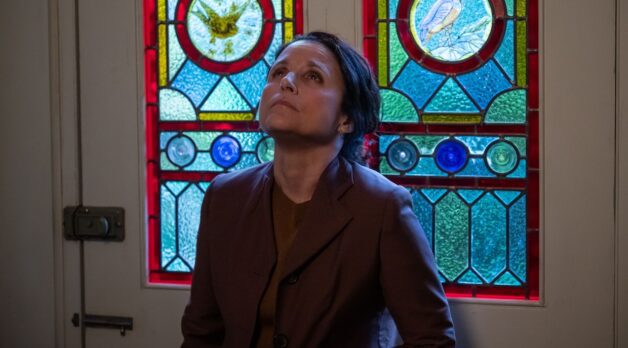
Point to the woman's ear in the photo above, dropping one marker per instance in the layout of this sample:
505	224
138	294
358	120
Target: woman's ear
345	126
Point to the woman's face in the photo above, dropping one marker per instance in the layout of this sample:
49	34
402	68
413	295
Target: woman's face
302	97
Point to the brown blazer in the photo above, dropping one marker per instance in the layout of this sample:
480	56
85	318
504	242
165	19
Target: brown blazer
360	250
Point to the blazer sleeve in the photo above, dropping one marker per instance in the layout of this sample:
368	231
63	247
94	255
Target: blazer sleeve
409	280
202	324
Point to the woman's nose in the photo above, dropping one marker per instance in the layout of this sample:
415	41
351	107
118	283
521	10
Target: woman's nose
287	83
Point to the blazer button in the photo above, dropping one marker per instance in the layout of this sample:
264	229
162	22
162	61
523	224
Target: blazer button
293	278
280	341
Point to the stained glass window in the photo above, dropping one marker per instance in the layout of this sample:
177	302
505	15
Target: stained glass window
459	88
205	66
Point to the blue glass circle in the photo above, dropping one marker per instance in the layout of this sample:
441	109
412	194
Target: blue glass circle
451	155
181	150
225	151
402	155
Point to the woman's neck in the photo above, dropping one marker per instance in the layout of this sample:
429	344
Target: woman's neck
297	171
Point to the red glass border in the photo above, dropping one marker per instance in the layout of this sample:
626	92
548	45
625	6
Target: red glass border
223	68
469	64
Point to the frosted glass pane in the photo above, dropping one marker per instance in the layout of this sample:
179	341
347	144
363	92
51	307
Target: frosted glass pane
520	172
385	140
451	237
427	143
470	196
450	98
507	196
509	107
485	83
475	167
522	77
225	98
174	106
194	82
176	56
278	9
246	160
248	140
269	57
164	137
505	55
165	164
204	162
433	195
189	213
176	187
510	7
251	82
203	140
385	168
423	211
398	55
488	237
178	266
168	229
517	226
172	6
470	278
397	108
507	279
476	144
418	92
520	143
392	8
426	167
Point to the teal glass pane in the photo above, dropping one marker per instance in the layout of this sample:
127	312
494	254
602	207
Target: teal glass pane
396	107
423	210
178	266
426	167
451	236
225	97
203	186
176	56
385	168
172	6
427	143
507	279
398	55
520	143
419	92
189	217
204	162
176	187
475	168
248	140
502	157
246	160
505	55
194	82
469	277
175	106
488	237
470	196
520	172
484	83
509	107
164	137
392	8
168	228
450	98
433	194
269	57
507	196
385	140
265	150
517	245
165	164
510	7
476	144
202	140
251	82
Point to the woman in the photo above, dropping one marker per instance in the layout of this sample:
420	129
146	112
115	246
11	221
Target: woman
313	249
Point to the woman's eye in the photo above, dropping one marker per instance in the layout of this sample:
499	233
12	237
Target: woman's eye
277	73
313	76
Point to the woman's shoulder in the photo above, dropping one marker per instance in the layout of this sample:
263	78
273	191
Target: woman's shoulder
242	180
371	182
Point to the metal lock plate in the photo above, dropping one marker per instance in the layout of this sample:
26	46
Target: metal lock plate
93	223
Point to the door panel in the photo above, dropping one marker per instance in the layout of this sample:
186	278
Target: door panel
578	108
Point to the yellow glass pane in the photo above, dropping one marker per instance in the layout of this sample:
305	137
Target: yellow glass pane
522	79
287	9
521	8
161	10
452	118
288	32
381	9
226	116
163	62
382	56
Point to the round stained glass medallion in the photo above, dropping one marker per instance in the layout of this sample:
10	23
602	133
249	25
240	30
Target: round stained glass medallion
502	157
226	30
225	151
451	30
451	155
265	150
181	150
402	155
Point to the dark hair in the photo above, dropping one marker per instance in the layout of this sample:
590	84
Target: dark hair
361	100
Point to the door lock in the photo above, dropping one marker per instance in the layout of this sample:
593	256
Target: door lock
93	223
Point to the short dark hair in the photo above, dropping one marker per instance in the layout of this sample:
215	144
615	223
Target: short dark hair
361	100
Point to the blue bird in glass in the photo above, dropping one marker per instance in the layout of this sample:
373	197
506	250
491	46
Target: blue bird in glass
441	15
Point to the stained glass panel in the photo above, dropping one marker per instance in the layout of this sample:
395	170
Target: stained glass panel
206	63
460	130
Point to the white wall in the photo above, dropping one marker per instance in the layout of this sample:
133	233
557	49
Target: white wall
26	246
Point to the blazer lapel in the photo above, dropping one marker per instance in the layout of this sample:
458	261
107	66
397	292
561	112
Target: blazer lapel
325	217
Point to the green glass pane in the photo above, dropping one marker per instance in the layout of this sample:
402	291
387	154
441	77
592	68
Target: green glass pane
469	277
520	172
246	160
433	195
520	143
426	167
398	55
176	56
203	163
505	55
476	144
385	140
522	79
510	6
509	107
470	196
450	98
397	108
426	143
176	187
507	196
385	168
507	279
475	168
451	236
517	227
248	140
178	266
423	211
165	164
189	217
225	98
488	237
168	229
174	106
266	150
203	140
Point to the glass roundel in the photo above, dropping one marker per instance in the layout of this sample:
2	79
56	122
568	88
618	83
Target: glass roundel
402	155
502	157
224	30
451	30
181	150
266	150
451	155
225	151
